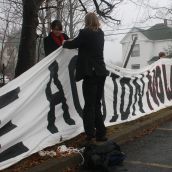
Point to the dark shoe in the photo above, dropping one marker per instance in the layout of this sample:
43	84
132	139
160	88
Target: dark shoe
101	139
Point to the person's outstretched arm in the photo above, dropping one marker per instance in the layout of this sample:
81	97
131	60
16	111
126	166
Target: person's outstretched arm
75	43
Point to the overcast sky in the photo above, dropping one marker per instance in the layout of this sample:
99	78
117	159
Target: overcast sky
130	16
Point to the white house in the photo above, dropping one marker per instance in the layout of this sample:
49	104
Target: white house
149	43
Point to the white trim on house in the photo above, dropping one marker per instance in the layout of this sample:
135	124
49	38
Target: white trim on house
148	48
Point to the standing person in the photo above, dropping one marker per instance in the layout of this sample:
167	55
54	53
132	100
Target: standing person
91	68
55	38
161	55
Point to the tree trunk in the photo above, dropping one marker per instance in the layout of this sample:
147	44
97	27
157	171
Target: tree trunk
27	47
59	9
71	19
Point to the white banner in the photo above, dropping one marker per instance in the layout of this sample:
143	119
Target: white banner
43	106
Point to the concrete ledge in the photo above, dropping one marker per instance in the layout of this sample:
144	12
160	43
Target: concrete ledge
123	133
134	128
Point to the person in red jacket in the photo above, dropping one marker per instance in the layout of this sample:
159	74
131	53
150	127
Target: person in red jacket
55	38
91	68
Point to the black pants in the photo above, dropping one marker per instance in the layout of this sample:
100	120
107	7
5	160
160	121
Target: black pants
93	87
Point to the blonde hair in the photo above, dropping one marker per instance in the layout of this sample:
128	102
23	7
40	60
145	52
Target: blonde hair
92	21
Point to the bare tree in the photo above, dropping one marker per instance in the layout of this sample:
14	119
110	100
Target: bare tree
7	28
154	11
11	50
26	56
4	37
27	48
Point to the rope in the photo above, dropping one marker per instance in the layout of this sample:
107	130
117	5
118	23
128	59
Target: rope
64	151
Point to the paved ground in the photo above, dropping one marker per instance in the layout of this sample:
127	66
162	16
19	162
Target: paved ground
152	153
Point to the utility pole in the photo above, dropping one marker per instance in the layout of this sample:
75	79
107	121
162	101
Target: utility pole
129	54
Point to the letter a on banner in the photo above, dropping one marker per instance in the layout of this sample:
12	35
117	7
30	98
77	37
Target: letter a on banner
56	99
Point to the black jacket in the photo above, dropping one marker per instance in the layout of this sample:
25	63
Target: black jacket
50	45
90	46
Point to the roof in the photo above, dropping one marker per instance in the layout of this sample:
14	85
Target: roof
157	32
153	59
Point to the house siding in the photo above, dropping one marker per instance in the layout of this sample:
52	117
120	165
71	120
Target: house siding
148	48
126	45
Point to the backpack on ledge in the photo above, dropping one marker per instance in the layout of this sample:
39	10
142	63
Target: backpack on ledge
102	157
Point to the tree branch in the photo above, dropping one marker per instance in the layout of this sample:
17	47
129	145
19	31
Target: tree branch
47	7
83	6
105	13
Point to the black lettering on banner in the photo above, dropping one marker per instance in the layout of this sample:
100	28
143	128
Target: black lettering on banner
159	85
167	89
155	88
143	84
7	128
151	89
125	81
71	67
139	94
9	97
115	92
56	99
13	151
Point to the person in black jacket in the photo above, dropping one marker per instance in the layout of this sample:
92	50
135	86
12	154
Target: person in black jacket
55	38
161	55
91	68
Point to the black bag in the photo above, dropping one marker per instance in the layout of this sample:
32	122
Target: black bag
102	157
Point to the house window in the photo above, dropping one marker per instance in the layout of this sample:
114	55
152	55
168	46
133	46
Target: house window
133	36
135	66
136	51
